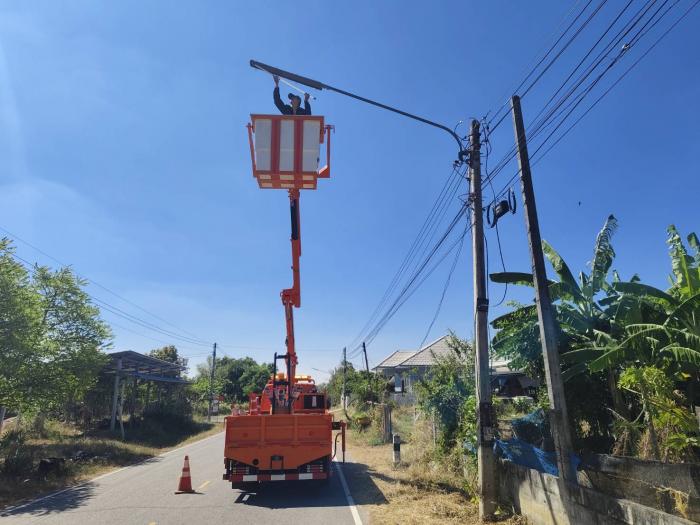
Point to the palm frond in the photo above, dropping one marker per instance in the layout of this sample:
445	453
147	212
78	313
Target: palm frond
695	245
683	354
603	254
561	269
521	314
686	275
639	289
686	314
573	371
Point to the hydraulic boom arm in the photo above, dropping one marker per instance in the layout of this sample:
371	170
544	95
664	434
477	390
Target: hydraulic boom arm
291	297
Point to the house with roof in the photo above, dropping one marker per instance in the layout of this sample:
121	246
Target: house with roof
406	368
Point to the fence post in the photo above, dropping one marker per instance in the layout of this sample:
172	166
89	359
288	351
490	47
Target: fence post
396	439
386	423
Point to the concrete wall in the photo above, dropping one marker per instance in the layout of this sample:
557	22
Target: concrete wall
545	500
671	487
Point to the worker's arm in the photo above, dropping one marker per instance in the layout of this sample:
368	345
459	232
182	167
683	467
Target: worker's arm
278	101
307	106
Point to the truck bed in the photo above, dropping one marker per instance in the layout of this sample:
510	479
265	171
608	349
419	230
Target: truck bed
278	446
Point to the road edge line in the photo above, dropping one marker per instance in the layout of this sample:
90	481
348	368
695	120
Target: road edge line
351	502
101	476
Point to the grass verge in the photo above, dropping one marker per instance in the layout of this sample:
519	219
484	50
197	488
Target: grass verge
83	456
421	490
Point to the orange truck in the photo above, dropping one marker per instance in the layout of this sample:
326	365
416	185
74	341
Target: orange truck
287	432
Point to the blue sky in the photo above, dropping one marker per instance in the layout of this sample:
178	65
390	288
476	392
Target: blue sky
123	152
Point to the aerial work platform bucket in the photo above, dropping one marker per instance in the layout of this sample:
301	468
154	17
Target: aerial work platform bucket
285	150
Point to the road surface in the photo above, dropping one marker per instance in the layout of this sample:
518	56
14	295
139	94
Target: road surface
143	494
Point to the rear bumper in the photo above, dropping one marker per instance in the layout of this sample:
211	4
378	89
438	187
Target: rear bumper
292	476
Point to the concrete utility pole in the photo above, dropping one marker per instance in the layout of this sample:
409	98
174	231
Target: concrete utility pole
211	382
364	351
559	419
115	395
487	482
345	367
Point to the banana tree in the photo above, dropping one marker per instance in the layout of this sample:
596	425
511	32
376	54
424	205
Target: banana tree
588	311
661	327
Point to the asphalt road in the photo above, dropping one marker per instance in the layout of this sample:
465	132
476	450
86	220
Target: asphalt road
143	494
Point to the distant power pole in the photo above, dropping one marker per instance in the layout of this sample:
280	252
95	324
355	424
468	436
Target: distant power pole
364	351
486	460
345	369
559	420
211	382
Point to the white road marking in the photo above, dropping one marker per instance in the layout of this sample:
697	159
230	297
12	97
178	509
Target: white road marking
53	494
348	496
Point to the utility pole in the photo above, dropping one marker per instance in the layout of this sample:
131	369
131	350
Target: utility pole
364	351
559	419
211	381
345	368
486	460
115	395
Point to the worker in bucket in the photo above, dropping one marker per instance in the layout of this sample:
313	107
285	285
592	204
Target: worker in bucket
295	101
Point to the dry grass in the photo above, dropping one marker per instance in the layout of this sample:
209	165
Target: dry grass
87	456
419	491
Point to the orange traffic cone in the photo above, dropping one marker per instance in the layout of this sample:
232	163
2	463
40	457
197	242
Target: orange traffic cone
185	485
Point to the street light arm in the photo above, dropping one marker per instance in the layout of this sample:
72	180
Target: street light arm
321	86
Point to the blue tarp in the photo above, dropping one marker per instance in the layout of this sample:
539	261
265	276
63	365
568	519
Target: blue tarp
527	455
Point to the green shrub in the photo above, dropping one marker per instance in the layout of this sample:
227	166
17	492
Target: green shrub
18	457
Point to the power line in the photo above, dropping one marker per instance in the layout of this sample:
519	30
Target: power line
552	116
101	286
543	121
418	276
117	311
551	49
487	152
425	234
444	288
637	37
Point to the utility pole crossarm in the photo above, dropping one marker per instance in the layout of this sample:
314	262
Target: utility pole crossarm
321	86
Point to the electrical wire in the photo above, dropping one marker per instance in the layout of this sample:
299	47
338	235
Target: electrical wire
638	36
189	335
113	309
107	307
551	63
552	116
540	122
418	277
487	152
444	288
418	246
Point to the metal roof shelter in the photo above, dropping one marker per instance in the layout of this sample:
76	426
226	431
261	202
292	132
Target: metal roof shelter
139	366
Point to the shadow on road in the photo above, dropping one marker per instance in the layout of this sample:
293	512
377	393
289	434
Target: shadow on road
300	494
70	499
65	499
363	489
